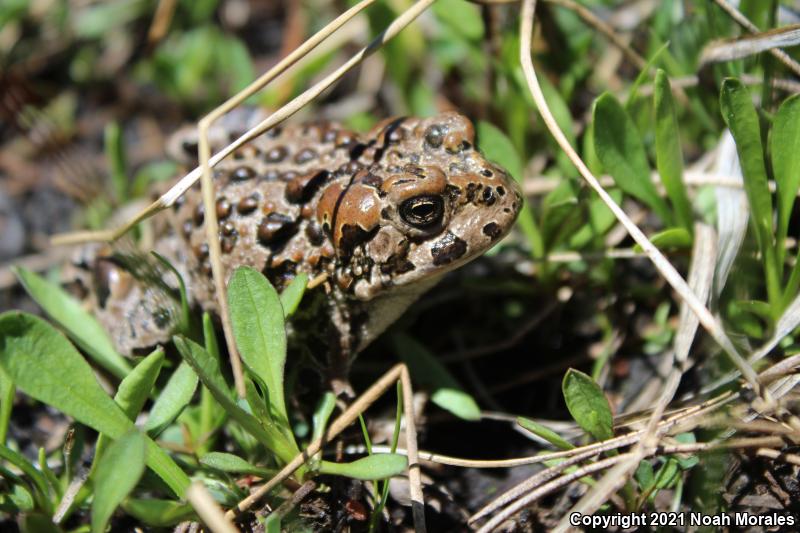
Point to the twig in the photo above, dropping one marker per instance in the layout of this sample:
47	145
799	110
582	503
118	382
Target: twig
208	510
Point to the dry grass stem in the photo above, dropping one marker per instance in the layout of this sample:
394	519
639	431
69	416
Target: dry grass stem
398	372
208	510
745	23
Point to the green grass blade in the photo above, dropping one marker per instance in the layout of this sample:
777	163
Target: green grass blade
785	152
426	370
208	371
545	433
669	156
619	147
78	323
118	472
39	481
7	391
44	365
175	396
741	117
293	294
227	462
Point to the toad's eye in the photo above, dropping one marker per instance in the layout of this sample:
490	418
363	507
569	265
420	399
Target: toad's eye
423	211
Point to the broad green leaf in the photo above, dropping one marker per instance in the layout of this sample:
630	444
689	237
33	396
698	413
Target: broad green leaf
44	365
429	372
741	117
544	432
587	404
209	373
78	323
619	147
38	523
372	467
227	462
158	513
293	294
785	151
258	326
175	396
645	476
669	156
118	472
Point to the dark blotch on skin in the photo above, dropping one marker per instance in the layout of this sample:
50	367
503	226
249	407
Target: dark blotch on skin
189	148
501	191
201	251
434	136
486	172
352	236
243	173
492	230
302	188
247	205
199	214
227	228
314	233
488	196
223	208
304	156
161	317
277	154
448	249
227	244
275	228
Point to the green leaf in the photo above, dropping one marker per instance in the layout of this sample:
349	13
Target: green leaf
429	372
272	524
741	117
293	294
462	17
118	472
619	147
134	390
7	392
494	144
587	404
39	481
322	413
669	156
258	326
132	393
45	366
227	462
544	432
173	399
669	239
78	323
209	373
372	467
784	148
158	513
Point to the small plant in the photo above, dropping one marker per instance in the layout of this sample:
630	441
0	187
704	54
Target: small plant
39	360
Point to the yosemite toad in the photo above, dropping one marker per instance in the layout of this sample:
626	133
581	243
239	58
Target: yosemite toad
383	215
